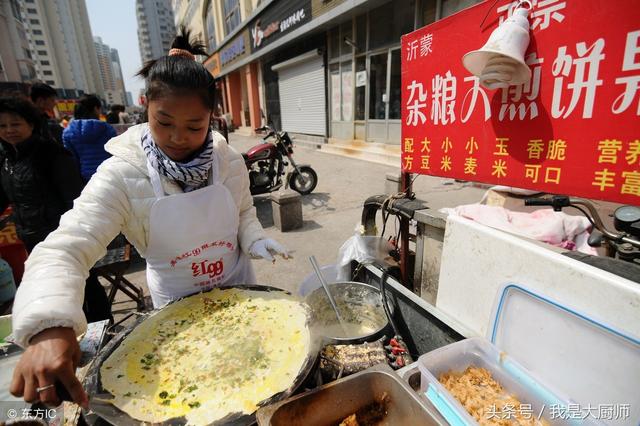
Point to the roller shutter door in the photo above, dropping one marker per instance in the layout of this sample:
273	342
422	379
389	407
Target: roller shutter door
301	82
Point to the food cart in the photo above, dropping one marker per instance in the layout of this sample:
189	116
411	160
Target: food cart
546	326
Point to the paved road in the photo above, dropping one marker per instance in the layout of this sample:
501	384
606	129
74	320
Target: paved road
333	210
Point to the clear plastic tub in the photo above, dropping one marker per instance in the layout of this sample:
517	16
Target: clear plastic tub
512	376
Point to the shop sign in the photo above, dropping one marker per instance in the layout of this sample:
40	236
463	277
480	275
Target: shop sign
278	20
573	129
235	49
213	64
361	78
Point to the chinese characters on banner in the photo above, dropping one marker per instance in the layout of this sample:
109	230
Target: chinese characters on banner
573	129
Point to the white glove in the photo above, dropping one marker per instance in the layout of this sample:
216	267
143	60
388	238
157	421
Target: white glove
266	248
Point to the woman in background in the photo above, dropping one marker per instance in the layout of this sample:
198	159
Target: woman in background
86	135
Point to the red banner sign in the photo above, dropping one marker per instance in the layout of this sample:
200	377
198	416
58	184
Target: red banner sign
573	129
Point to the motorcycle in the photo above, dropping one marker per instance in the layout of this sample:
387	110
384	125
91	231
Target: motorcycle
268	163
623	244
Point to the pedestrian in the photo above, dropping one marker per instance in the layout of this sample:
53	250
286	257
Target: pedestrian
113	116
172	187
219	123
86	135
123	115
40	180
44	97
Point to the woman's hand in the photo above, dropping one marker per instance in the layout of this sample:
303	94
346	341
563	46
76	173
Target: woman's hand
267	248
52	355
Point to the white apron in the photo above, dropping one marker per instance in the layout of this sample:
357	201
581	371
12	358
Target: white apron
193	242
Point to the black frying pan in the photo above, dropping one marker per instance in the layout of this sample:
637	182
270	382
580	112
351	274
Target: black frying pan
99	397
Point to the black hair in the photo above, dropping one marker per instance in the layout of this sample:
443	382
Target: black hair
22	108
86	107
179	74
41	90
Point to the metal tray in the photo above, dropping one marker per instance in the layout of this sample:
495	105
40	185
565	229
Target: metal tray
103	408
328	405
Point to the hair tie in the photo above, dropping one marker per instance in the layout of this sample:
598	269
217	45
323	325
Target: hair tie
182	52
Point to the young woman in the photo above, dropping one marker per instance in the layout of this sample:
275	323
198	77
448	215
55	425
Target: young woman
86	135
175	189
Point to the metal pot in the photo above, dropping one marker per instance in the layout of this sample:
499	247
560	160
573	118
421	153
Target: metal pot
360	306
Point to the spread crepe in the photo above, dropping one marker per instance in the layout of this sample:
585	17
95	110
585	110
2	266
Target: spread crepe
208	356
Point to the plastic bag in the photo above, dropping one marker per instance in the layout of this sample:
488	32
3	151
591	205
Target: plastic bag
363	249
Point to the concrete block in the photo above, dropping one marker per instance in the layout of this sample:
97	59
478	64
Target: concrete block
287	210
393	183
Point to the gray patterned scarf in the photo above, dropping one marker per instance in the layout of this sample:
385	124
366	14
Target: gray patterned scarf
191	175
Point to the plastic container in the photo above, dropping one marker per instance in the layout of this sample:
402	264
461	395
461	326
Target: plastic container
546	355
480	353
7	284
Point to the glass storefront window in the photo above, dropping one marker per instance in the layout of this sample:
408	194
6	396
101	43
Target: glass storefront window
334	43
394	86
361	33
336	98
428	12
449	7
346	31
347	91
389	22
377	86
379	26
361	87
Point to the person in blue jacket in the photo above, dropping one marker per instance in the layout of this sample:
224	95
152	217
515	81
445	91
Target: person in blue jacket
86	135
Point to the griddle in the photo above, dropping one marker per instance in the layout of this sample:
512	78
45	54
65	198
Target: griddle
99	397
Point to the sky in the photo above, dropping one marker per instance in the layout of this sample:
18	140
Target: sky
115	22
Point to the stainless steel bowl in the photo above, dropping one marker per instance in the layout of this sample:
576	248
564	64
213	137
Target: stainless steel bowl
360	306
331	403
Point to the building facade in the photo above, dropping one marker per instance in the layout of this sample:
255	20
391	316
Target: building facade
322	69
62	47
228	39
156	27
16	61
110	73
118	77
190	14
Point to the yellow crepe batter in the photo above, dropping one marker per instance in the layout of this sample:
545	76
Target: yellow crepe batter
208	356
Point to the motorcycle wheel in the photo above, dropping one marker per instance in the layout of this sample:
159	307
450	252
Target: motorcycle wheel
297	184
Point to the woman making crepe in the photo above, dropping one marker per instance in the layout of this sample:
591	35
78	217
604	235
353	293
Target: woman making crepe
179	194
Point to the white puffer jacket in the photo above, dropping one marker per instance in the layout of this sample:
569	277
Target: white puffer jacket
118	198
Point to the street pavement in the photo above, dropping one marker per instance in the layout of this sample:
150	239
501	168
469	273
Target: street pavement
331	213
